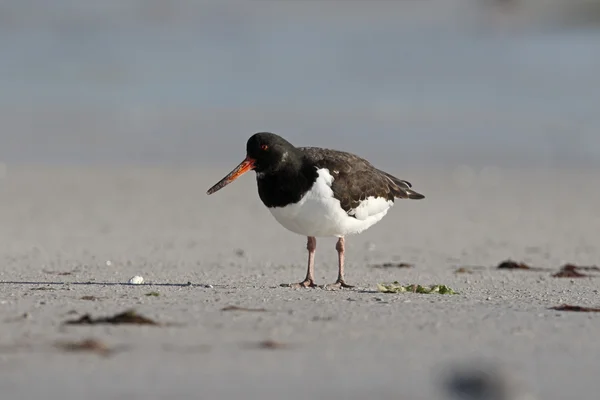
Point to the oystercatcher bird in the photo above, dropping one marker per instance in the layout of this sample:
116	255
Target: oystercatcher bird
318	192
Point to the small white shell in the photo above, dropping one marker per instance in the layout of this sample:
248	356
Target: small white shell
136	280
108	263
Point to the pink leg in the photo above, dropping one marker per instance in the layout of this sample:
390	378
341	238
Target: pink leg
309	281
340	283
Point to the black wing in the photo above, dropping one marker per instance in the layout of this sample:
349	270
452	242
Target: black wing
356	179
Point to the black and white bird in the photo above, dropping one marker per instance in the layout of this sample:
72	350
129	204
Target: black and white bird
318	192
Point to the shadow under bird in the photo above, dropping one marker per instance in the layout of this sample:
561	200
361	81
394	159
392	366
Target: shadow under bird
318	192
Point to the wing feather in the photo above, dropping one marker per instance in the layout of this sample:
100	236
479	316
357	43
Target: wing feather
356	180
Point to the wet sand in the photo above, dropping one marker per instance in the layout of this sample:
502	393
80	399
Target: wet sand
60	226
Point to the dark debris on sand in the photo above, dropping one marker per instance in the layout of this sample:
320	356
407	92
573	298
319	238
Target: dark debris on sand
468	269
90	298
237	308
129	317
509	264
463	270
270	345
86	345
567	307
567	271
59	273
393	265
572	271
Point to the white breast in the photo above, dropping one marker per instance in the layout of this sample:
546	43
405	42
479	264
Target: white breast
319	214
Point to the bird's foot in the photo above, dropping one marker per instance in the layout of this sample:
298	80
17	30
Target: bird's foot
307	283
339	284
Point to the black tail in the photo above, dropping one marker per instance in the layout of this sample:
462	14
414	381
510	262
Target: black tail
402	189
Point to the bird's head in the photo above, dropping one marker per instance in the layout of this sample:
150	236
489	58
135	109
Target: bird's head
265	153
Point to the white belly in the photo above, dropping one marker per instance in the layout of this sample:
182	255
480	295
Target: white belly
319	214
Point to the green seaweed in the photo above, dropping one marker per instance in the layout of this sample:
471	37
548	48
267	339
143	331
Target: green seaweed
396	287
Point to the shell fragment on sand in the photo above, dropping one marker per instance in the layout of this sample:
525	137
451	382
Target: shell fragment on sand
136	280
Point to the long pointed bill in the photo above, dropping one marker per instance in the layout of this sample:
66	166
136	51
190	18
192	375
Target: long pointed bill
245	166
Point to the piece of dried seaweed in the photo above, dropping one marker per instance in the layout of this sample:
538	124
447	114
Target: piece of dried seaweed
269	344
86	345
393	265
90	298
237	308
129	317
65	273
509	264
272	345
567	307
572	271
463	270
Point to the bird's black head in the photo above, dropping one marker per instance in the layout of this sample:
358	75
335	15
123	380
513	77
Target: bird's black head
265	153
269	151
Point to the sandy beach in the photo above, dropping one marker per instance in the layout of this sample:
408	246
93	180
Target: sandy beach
73	237
118	116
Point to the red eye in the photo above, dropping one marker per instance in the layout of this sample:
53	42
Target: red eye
264	147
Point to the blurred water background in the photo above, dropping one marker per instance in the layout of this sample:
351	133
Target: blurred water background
425	82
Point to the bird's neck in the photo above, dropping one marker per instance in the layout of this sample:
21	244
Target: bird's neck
285	185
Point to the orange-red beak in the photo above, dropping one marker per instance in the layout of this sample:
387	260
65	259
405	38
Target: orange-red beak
245	166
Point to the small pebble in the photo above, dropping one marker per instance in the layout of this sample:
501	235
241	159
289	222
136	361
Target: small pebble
108	263
136	280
